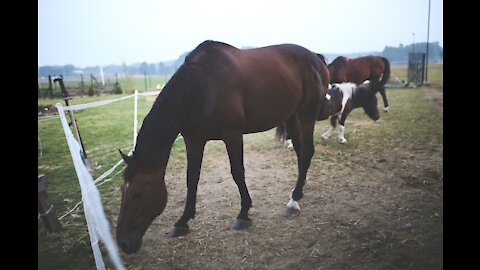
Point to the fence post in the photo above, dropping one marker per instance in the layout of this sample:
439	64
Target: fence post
66	97
45	208
135	110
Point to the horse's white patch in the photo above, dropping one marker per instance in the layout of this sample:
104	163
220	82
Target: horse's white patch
289	143
327	96
293	204
341	133
347	90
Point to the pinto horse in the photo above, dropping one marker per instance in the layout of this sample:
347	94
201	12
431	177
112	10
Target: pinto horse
340	100
376	69
220	93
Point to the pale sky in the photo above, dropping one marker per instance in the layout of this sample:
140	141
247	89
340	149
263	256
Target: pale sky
102	32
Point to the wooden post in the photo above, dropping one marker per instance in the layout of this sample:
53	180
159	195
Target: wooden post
45	208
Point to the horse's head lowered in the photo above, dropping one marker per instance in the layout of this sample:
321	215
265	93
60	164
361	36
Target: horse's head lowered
144	197
368	101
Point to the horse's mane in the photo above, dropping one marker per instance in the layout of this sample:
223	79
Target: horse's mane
204	46
163	122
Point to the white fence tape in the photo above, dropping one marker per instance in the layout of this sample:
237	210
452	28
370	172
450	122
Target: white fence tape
93	104
98	225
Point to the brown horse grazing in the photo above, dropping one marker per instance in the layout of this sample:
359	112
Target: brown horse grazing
376	69
220	93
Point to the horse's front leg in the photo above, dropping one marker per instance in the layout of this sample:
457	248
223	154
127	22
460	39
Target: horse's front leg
302	136
234	144
341	131
194	159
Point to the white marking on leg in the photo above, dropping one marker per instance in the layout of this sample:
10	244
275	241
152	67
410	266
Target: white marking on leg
293	204
386	109
341	134
289	143
328	133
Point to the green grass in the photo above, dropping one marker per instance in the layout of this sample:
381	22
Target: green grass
106	129
128	83
434	73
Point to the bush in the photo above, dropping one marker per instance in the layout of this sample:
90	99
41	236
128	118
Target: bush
117	89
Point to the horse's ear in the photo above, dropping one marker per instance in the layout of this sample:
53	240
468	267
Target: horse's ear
128	160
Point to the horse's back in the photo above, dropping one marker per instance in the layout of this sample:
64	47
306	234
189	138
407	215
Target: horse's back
256	89
356	70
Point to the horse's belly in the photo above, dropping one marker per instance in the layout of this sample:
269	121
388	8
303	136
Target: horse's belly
266	112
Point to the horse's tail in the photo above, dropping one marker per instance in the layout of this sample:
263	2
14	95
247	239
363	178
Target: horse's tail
386	72
280	132
322	58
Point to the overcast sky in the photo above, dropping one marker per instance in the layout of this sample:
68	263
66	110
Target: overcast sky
101	32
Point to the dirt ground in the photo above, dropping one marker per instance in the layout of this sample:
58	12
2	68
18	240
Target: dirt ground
374	210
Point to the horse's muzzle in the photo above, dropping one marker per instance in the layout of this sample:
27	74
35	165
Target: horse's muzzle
130	244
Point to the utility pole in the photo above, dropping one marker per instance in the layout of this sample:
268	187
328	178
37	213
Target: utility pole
428	35
413	34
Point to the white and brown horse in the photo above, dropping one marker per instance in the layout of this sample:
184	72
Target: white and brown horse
340	100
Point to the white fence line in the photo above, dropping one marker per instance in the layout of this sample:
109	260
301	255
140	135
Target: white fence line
98	226
97	223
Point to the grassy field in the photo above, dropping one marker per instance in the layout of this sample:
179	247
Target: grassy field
434	76
106	129
128	83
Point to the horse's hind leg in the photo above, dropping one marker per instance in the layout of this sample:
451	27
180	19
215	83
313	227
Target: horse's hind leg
302	136
234	144
384	97
333	125
341	131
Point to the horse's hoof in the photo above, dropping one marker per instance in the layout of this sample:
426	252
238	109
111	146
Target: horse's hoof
178	231
386	109
324	137
342	141
241	224
289	211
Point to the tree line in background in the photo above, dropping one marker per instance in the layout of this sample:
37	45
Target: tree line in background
396	55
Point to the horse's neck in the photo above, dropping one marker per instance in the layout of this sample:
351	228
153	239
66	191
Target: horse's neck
156	137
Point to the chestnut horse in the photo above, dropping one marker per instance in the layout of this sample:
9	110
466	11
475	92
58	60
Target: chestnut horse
376	69
220	93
